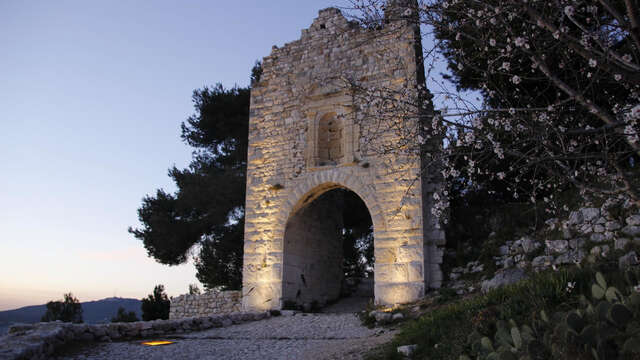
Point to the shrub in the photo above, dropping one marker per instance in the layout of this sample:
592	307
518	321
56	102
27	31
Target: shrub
67	310
124	316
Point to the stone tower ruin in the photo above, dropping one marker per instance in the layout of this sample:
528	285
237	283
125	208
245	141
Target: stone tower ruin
310	133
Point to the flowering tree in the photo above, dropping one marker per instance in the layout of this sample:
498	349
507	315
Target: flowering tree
555	93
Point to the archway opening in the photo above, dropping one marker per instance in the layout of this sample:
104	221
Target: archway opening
328	252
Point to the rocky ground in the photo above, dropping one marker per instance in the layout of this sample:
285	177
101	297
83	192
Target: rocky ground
299	336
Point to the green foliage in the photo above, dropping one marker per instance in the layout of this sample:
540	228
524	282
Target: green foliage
123	316
156	305
208	207
366	319
540	291
446	295
451	330
443	332
194	289
609	328
357	236
67	310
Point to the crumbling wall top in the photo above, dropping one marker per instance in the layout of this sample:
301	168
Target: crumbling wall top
331	25
329	21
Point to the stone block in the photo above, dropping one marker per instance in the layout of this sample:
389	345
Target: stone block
590	214
386	255
575	217
633	220
557	246
415	271
542	261
408	254
612	225
390	294
502	278
630	259
631	230
621	243
576	243
392	273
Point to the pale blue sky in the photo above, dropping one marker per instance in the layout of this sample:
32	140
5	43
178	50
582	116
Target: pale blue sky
92	94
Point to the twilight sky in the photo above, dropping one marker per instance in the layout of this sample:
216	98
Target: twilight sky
92	94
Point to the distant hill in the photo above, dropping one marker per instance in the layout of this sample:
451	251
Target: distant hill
92	312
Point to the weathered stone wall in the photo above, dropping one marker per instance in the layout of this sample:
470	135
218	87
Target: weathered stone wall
589	234
209	303
313	244
295	155
41	340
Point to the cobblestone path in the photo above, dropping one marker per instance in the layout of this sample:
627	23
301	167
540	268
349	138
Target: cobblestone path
301	336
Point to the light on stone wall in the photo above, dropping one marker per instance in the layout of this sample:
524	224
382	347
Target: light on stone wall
390	309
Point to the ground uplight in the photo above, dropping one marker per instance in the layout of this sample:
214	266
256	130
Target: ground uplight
157	343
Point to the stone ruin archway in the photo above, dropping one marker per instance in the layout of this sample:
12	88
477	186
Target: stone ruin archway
314	272
306	137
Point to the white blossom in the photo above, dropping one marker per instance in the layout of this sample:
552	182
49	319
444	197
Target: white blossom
469	137
593	62
569	10
635	112
516	79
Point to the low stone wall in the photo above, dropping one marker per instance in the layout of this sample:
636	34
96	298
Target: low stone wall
40	341
209	303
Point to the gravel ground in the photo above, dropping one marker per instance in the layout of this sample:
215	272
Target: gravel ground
301	336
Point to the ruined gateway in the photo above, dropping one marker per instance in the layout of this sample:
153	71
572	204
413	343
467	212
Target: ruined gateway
310	134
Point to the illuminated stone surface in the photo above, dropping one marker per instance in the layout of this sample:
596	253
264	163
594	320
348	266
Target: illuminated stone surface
210	303
308	134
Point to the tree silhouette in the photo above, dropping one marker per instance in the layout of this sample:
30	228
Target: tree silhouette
156	305
124	316
67	310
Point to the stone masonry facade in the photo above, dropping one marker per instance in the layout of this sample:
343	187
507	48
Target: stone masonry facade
207	304
310	134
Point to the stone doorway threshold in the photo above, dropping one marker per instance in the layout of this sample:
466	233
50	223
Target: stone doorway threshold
351	304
